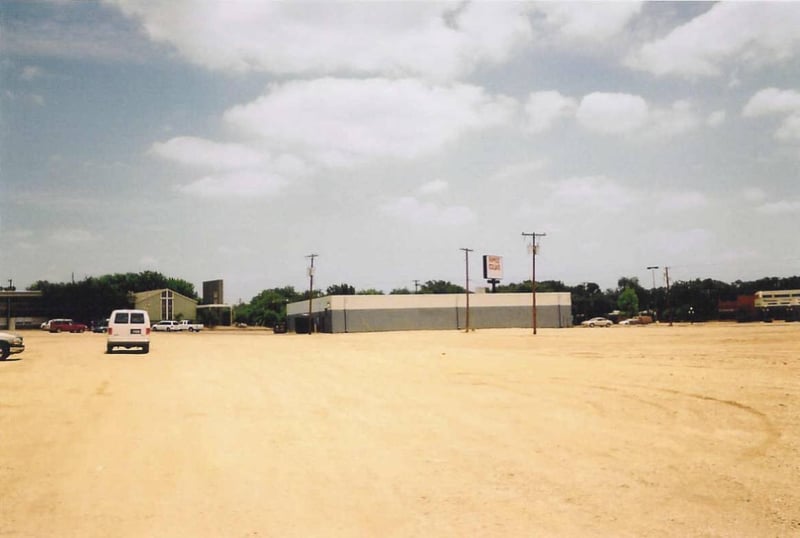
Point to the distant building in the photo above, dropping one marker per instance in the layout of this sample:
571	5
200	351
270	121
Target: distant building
213	292
165	304
367	313
20	309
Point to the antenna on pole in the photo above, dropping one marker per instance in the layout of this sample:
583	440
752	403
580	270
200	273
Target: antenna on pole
534	247
310	291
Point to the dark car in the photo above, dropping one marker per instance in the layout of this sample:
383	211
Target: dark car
66	325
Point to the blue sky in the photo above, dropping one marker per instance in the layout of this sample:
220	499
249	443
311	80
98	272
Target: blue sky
231	139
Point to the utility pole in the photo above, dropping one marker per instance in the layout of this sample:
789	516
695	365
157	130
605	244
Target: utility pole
666	278
466	261
416	285
310	291
8	313
652	269
534	247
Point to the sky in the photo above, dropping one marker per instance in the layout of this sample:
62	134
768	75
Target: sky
231	140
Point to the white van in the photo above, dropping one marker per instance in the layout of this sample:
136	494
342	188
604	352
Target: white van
128	328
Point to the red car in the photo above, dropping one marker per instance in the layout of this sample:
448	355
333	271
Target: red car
66	325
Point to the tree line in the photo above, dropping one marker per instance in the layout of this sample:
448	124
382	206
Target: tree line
93	298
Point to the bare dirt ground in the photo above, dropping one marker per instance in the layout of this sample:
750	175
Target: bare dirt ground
628	431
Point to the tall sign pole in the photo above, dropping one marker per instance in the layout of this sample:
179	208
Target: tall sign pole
310	292
534	247
466	287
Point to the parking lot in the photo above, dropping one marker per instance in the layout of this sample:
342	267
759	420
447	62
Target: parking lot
691	430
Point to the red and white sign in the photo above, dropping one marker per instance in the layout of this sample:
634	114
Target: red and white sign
492	266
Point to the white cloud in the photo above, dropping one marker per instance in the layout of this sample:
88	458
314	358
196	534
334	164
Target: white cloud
596	192
547	107
519	171
237	184
716	118
675	242
433	187
681	201
680	118
781	207
753	194
775	102
340	121
589	21
26	98
789	130
438	40
624	114
31	72
148	261
748	33
237	171
612	113
411	210
73	235
770	101
203	153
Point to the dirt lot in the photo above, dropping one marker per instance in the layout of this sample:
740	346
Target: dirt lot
627	431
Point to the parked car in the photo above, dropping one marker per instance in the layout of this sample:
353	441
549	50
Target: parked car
631	321
128	328
187	325
10	344
167	325
66	325
100	326
597	322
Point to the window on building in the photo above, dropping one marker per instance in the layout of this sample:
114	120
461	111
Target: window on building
167	302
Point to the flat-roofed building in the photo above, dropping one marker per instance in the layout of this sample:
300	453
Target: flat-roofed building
367	313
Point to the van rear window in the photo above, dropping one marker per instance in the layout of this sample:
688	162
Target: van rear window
121	317
137	317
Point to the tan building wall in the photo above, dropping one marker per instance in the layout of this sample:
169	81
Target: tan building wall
166	304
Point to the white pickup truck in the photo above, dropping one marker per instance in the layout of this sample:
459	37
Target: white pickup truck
187	325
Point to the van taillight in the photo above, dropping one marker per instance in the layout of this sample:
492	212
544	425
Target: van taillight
147	331
110	330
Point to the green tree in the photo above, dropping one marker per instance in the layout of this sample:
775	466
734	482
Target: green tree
440	286
267	307
628	302
370	291
340	289
400	291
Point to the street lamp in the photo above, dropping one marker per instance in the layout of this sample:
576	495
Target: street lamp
652	269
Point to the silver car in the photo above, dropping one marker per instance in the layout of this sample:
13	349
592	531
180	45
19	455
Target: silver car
597	322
